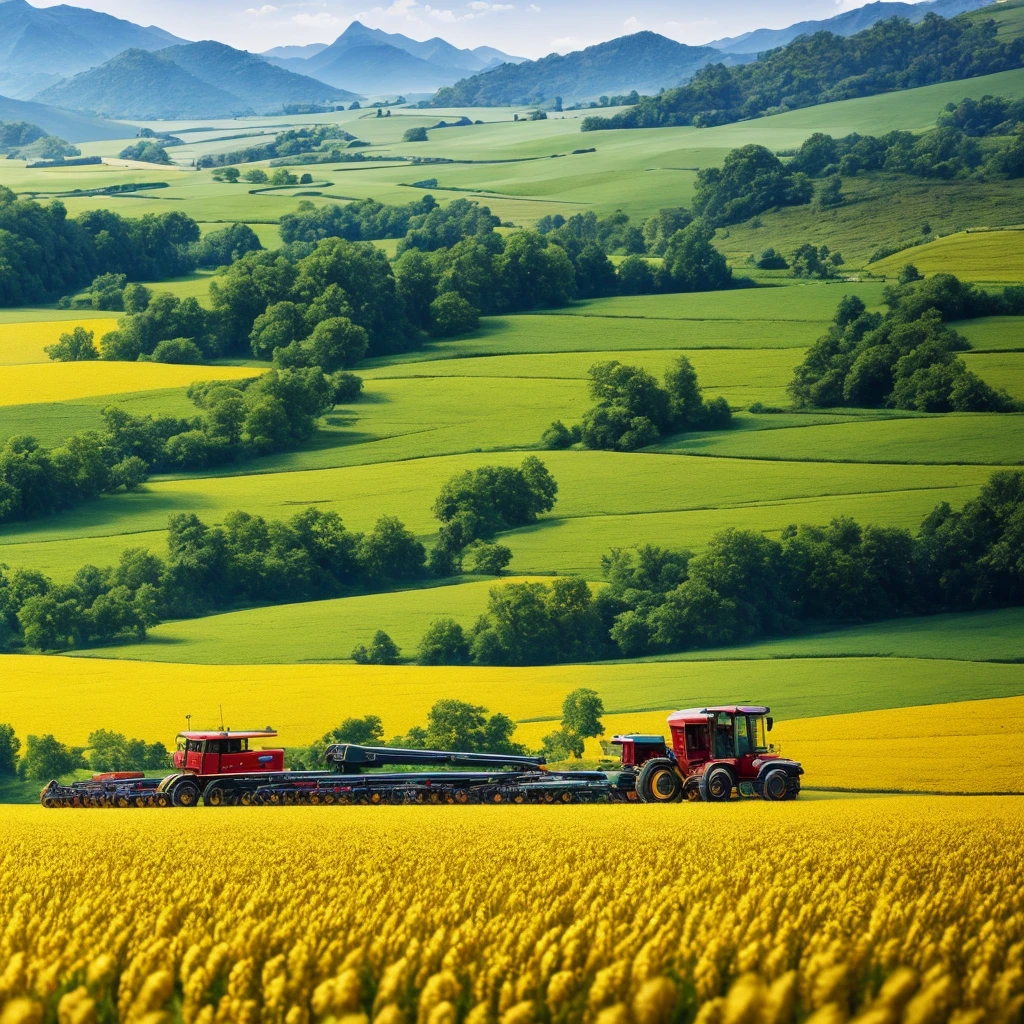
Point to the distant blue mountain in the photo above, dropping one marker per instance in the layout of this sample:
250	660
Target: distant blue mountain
39	46
847	24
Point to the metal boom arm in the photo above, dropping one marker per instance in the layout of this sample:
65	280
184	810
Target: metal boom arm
350	757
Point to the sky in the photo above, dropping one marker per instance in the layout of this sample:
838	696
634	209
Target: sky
519	27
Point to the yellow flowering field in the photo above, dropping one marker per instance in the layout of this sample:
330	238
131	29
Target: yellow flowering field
891	909
24	343
966	747
30	383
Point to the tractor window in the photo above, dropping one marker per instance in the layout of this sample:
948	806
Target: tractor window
743	739
232	746
697	742
759	734
724	746
194	746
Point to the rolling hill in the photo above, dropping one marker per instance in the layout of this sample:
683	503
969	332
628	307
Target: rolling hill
372	61
64	123
39	46
644	61
846	24
196	80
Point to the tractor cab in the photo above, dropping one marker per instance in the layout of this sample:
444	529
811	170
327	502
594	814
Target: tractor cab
225	752
733	733
714	752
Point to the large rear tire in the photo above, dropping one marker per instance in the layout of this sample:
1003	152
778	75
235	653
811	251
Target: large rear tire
775	785
659	782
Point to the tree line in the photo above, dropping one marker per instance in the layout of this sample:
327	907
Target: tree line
206	568
634	411
293	142
47	254
235	420
744	586
820	68
906	357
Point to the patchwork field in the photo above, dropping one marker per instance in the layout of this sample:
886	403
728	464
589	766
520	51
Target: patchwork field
486	398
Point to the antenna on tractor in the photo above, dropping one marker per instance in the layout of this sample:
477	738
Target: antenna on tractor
221	706
188	723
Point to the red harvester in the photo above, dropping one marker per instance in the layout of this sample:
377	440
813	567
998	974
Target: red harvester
714	752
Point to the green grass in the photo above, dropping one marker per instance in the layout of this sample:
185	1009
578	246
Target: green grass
312	631
19	791
995	439
1007	14
51	422
34	314
883	210
968	636
973	256
594	488
994	333
1000	369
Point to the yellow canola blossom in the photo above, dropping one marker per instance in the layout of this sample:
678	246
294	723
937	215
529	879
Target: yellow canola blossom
874	911
28	384
25	343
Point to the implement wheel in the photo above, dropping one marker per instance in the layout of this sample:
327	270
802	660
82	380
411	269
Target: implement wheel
659	782
185	793
215	796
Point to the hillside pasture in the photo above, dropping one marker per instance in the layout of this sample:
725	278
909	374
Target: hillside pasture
995	439
594	488
313	631
1004	370
996	256
994	333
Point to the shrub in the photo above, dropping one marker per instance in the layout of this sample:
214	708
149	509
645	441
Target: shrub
444	643
74	347
177	350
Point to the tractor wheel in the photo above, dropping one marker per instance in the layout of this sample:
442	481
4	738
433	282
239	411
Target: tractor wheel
215	796
775	785
246	797
659	782
185	793
716	785
691	789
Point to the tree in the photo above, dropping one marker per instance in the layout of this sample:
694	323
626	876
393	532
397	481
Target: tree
390	552
492	559
283	177
306	179
450	314
365	732
256	175
228	174
830	195
909	274
177	350
693	264
9	747
444	643
48	758
456	725
561	745
413	134
382	651
135	298
74	347
581	713
335	343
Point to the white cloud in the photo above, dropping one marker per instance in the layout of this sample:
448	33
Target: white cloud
259	12
481	7
631	24
322	20
535	8
567	44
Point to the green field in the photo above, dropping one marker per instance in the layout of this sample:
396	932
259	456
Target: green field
487	396
973	256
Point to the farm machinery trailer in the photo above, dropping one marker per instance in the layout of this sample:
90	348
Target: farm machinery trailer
714	753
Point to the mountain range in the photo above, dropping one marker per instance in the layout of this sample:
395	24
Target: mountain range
846	24
376	62
190	80
644	61
40	46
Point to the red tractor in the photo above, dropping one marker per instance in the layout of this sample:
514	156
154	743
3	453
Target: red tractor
715	751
